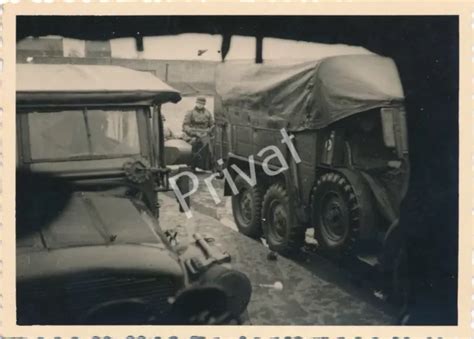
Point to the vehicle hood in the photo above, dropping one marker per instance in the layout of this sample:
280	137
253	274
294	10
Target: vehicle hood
96	232
96	219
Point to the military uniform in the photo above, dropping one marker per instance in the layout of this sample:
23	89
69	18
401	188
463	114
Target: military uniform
197	123
197	126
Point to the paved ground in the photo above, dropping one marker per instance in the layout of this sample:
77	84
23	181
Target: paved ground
203	202
310	296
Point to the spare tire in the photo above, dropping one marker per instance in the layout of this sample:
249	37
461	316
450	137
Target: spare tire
246	208
282	233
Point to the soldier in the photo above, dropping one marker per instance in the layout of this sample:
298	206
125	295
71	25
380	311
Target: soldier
197	126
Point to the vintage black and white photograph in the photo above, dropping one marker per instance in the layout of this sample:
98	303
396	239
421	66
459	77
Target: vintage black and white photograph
237	170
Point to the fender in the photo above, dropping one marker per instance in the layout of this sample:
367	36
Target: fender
381	198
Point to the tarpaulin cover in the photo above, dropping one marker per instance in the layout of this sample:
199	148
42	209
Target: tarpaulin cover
84	84
306	95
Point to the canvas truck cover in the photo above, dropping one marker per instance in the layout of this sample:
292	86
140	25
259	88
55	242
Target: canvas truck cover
306	95
45	84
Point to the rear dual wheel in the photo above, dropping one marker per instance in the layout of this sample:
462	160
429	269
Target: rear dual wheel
253	212
246	208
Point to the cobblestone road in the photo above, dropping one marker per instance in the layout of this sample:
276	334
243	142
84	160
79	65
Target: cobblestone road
306	299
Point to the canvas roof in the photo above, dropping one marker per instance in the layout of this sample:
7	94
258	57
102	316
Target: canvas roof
89	84
306	94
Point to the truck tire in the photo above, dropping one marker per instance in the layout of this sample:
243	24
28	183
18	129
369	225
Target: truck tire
336	214
282	232
247	207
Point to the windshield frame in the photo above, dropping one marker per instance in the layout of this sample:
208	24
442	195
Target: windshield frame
23	136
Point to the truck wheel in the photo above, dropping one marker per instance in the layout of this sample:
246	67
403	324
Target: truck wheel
282	233
335	214
246	208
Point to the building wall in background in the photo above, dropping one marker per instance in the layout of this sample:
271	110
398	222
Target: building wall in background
47	46
190	77
198	47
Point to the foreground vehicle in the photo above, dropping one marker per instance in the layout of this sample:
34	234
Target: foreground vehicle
90	249
346	121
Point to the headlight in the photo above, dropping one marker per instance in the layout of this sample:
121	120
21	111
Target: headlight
235	284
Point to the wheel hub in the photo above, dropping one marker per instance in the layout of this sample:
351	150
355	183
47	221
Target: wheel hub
278	220
246	205
334	218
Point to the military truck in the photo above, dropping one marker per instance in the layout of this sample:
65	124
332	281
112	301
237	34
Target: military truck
90	167
349	169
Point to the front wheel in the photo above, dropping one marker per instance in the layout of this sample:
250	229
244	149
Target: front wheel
337	213
282	232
